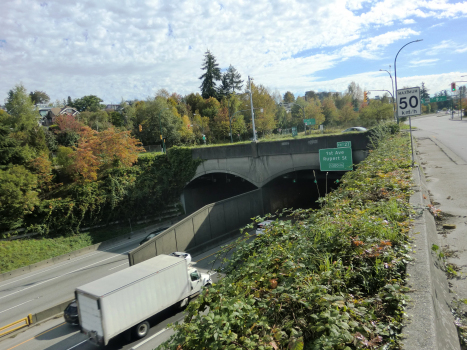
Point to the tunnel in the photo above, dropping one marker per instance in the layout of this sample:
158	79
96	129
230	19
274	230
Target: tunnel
296	189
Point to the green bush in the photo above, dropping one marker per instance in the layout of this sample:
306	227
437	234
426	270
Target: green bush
333	279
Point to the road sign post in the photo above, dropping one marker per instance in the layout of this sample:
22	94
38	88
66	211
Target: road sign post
409	104
335	159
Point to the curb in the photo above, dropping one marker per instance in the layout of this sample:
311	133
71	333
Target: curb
431	323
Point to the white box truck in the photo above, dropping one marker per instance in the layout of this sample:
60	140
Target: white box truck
126	299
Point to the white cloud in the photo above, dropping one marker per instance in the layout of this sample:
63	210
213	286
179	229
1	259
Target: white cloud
130	49
425	62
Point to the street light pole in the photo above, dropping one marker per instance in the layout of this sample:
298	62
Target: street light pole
393	102
395	78
160	125
252	113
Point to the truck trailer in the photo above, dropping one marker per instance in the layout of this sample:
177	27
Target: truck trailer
125	300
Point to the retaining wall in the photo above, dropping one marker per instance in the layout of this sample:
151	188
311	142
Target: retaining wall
205	228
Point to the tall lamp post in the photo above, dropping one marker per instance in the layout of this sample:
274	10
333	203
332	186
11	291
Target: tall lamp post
395	78
393	102
160	125
252	113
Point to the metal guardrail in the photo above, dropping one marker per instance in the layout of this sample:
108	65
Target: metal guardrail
24	322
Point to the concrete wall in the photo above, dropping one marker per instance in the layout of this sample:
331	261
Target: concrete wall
260	163
205	228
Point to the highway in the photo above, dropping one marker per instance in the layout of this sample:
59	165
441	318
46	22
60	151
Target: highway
41	289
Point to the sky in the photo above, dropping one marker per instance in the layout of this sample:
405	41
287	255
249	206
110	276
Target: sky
129	49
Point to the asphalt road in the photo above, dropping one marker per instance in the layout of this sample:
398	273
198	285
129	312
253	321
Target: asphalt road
440	126
44	288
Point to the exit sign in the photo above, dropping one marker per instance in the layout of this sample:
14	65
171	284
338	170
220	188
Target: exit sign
335	159
344	144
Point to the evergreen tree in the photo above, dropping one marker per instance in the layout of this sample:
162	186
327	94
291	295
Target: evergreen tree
211	75
225	88
424	91
234	78
69	101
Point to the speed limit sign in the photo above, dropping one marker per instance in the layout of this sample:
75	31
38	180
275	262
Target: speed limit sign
408	102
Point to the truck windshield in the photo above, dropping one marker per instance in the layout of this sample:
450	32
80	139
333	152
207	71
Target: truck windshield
194	276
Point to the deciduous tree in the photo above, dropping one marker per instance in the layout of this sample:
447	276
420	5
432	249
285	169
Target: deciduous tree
18	196
39	97
19	106
289	97
90	103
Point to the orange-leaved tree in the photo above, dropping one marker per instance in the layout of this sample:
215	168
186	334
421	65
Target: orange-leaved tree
99	151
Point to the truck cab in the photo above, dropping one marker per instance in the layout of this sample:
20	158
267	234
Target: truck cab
198	280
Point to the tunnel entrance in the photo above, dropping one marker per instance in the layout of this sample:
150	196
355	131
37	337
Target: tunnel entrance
212	188
296	189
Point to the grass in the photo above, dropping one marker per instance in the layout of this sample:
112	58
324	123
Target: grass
271	137
23	252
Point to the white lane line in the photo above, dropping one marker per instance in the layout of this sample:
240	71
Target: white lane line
119	266
73	260
65	274
150	338
74	346
19	305
154	335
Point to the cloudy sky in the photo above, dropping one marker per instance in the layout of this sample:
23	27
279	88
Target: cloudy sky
131	48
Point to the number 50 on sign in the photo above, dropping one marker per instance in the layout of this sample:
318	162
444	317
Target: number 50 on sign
408	102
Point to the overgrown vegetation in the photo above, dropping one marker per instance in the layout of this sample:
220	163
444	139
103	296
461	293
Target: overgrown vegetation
332	279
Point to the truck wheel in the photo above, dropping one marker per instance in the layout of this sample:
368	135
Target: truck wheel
142	330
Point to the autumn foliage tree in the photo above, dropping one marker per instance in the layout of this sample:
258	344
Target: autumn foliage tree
100	151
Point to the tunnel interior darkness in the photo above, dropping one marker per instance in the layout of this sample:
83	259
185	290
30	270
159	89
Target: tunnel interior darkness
296	189
212	188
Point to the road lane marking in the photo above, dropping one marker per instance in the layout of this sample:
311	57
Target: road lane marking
54	278
74	346
61	324
118	266
19	305
150	338
69	261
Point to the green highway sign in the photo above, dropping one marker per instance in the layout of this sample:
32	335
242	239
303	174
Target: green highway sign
344	144
311	121
434	99
294	131
335	159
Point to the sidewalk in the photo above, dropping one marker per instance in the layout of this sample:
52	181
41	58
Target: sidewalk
441	177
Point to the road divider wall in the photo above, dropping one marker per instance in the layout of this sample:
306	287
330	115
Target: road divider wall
205	228
34	318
